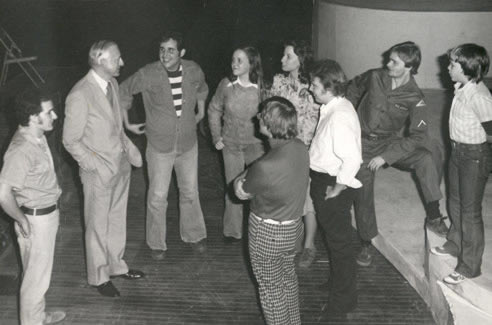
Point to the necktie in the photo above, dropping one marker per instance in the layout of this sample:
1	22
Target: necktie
109	94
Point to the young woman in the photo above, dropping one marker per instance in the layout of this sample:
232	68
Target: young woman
231	119
293	85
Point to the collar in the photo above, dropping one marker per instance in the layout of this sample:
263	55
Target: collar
24	132
238	81
466	90
276	143
327	108
100	81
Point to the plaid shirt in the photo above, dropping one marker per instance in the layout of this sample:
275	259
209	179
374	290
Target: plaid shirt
472	105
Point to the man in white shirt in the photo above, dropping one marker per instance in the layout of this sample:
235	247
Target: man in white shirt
335	158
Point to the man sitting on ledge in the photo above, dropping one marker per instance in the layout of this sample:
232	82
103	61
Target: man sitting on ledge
385	100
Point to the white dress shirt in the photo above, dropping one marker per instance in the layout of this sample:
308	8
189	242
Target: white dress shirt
336	146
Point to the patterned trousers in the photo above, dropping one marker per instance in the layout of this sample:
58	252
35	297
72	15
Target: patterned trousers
272	251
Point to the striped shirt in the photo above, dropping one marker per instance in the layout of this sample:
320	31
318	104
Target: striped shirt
472	105
176	80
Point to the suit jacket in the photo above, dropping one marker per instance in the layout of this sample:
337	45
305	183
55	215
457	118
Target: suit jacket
93	130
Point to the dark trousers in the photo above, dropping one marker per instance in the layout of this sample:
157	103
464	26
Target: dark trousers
468	174
420	160
335	220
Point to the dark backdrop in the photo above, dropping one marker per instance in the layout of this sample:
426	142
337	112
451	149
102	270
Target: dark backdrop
60	32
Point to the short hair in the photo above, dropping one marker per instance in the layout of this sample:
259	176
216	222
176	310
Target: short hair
331	76
279	117
99	50
173	35
28	103
409	53
304	52
474	60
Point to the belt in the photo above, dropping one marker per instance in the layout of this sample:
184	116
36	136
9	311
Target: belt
375	137
275	222
469	145
38	212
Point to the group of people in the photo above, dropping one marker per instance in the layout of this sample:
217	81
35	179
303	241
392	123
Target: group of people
325	139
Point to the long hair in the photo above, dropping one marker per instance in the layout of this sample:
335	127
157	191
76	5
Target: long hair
255	67
304	52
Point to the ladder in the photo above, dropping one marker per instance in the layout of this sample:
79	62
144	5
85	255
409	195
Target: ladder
13	54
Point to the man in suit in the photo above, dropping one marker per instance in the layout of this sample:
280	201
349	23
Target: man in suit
93	134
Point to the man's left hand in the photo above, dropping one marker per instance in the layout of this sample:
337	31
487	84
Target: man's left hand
376	163
334	191
199	117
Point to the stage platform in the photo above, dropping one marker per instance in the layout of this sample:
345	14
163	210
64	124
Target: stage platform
403	241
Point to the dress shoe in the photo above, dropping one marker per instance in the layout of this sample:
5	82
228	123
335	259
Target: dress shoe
199	247
54	317
333	307
130	275
107	289
365	257
231	240
158	254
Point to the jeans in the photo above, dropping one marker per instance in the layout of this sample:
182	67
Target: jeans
236	158
468	174
37	254
272	252
160	166
334	218
421	160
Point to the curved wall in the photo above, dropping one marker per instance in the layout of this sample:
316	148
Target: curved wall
357	37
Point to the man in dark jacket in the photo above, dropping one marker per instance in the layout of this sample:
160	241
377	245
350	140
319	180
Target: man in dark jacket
386	99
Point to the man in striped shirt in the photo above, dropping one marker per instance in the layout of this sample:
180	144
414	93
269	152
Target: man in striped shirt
171	88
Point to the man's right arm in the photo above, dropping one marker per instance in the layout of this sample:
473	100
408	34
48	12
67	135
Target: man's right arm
356	88
9	205
76	114
133	85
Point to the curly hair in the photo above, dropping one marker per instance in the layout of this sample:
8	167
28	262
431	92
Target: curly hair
304	52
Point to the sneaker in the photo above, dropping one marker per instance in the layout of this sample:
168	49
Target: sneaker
454	278
158	254
364	258
307	257
442	251
437	226
53	317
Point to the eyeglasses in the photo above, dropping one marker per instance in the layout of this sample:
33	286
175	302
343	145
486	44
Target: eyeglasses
170	51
